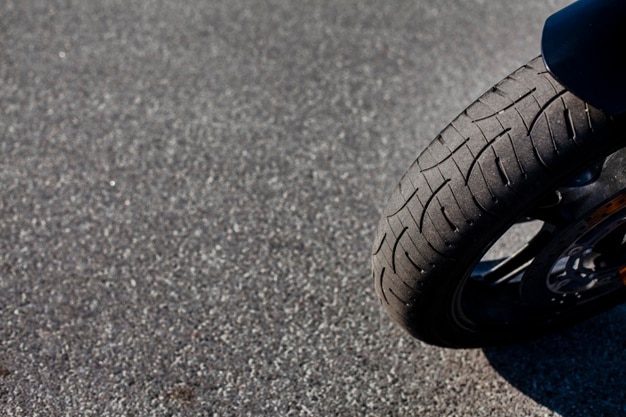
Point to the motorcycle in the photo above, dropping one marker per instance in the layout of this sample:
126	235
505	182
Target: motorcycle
512	222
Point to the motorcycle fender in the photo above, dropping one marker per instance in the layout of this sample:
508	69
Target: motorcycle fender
584	48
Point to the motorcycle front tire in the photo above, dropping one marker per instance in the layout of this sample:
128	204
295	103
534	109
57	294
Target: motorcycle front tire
499	163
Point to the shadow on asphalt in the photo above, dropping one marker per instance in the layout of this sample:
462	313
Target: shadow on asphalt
579	372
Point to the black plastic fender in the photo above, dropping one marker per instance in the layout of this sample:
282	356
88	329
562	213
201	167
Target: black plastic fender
584	48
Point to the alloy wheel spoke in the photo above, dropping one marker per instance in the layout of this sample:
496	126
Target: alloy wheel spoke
508	269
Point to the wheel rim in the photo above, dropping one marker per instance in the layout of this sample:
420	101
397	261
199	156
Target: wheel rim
587	261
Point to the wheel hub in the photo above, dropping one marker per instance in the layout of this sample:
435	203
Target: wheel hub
585	261
593	260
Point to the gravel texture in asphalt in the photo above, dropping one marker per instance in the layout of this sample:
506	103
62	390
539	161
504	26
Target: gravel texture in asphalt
188	193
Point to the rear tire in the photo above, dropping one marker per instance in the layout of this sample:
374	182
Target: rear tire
497	164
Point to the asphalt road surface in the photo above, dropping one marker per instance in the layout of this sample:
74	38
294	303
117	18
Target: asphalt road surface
188	193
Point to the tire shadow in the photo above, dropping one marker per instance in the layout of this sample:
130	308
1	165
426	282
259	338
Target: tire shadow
578	372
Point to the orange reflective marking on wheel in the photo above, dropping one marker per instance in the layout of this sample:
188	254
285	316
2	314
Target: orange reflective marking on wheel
622	274
608	209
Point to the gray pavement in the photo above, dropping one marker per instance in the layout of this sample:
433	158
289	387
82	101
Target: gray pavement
188	191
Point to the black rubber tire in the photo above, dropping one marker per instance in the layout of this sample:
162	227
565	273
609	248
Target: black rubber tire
497	159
